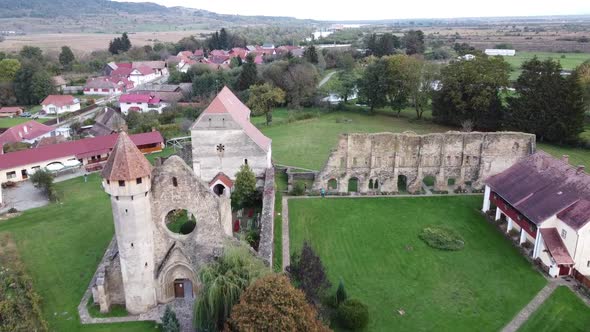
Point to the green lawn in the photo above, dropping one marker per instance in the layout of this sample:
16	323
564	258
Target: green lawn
9	122
373	244
307	143
568	62
562	312
61	245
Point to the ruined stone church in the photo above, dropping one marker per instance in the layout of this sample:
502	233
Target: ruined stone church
148	264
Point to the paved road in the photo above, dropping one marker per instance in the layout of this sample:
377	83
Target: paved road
326	79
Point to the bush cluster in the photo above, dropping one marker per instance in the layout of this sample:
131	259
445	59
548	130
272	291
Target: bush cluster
443	238
353	314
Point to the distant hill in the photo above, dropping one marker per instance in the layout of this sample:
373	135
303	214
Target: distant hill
36	16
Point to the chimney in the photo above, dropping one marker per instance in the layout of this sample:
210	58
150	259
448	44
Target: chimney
565	158
580	169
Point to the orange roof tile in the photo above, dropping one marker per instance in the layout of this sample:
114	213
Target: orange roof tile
126	162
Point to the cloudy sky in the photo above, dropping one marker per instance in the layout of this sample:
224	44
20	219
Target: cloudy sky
385	9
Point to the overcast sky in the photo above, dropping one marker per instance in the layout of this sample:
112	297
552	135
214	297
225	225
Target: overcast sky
385	9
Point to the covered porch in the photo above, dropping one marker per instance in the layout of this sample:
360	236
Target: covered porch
552	253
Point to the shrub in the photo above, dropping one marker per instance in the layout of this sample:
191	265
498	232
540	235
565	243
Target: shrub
43	180
443	238
188	227
353	314
273	304
169	321
12	210
309	273
341	295
298	189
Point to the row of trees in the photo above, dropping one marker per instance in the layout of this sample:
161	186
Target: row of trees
387	43
545	102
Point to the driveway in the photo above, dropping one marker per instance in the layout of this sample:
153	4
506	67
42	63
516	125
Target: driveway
23	197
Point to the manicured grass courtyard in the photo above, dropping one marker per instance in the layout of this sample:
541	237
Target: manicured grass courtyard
373	244
61	245
569	61
562	312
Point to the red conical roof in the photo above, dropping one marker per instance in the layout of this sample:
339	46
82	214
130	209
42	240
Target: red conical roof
126	162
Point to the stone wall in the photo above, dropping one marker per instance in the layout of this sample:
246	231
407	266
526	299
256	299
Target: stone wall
265	249
385	160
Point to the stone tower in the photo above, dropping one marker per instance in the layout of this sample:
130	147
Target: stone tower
127	180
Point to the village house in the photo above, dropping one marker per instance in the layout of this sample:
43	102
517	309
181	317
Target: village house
107	122
58	104
224	139
106	86
140	103
59	83
168	93
546	201
9	112
91	153
30	132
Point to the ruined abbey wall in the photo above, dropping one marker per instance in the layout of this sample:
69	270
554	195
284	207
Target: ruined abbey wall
379	161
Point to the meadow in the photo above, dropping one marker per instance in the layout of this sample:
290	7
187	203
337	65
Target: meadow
373	245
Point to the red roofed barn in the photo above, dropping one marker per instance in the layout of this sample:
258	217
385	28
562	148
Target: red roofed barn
547	201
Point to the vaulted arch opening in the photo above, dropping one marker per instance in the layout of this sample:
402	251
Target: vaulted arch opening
180	222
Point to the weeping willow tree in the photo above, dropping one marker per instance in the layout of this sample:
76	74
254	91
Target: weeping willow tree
223	281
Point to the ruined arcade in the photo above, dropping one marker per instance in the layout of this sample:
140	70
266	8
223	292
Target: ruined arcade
382	162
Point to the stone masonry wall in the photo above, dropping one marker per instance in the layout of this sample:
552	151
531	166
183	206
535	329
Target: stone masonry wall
386	158
265	249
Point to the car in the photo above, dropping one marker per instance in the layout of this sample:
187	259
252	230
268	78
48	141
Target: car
25	115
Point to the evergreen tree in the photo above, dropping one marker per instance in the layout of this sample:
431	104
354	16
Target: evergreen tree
311	55
547	104
32	53
249	74
125	43
341	294
169	321
23	83
223	39
66	57
244	192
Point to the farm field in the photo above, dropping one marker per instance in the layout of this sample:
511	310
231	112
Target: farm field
307	143
569	61
563	311
373	245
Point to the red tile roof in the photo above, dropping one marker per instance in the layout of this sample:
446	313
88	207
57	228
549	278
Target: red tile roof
556	247
122	71
126	162
139	98
88	146
223	178
58	100
227	103
577	215
144	70
29	130
10	110
541	186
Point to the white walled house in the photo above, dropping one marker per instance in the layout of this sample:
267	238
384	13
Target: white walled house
59	104
106	86
224	139
140	103
547	201
31	132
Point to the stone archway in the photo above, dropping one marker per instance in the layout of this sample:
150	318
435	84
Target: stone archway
178	281
353	185
219	189
332	185
402	183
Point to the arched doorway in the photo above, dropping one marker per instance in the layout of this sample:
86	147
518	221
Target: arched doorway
353	185
429	181
332	184
402	183
183	289
219	189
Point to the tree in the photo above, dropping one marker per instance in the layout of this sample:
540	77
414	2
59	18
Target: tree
311	55
169	321
222	283
244	188
400	69
263	97
223	39
23	83
420	80
386	44
346	84
469	90
8	69
583	74
413	41
32	53
373	85
309	272
273	304
41	86
547	104
66	57
125	42
463	49
120	44
249	74
341	294
43	180
297	78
